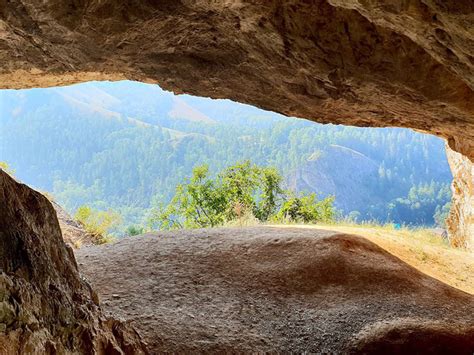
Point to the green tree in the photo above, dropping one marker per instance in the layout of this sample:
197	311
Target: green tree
237	191
239	185
199	202
441	214
272	194
307	209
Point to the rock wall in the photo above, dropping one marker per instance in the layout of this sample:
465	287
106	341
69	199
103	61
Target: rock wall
45	306
365	63
72	231
358	62
461	218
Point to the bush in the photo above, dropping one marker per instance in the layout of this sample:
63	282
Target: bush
98	223
134	230
307	209
242	193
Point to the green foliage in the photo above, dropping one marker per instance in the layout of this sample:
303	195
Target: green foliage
98	223
271	193
307	209
441	214
122	164
423	205
238	192
238	185
199	202
134	230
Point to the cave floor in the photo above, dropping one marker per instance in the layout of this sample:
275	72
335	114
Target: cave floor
276	289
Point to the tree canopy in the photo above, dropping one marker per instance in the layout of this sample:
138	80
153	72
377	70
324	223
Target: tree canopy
241	189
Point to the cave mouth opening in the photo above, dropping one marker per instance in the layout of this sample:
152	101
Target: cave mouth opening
125	146
116	151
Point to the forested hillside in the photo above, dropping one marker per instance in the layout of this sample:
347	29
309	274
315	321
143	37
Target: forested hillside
126	145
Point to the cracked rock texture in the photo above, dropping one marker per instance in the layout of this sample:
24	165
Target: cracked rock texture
461	218
72	231
45	306
359	62
406	63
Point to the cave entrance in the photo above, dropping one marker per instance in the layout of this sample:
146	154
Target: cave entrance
125	146
111	156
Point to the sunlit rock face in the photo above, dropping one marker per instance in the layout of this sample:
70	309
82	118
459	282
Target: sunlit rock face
356	62
461	219
45	306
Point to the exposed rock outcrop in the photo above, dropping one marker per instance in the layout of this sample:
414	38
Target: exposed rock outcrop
365	63
277	290
72	231
45	306
341	172
461	218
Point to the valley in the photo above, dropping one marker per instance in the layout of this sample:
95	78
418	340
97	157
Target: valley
125	146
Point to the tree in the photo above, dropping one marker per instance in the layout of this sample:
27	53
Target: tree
239	184
272	193
307	209
237	191
441	214
199	202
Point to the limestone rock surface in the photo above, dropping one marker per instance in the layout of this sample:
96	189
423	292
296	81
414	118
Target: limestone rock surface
46	307
276	290
72	231
461	218
358	62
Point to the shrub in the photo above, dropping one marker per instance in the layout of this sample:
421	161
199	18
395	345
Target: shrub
98	223
307	209
242	193
134	230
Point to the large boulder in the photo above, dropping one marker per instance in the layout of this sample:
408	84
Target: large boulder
45	305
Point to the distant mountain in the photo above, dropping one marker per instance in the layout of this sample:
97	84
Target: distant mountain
127	145
341	172
181	110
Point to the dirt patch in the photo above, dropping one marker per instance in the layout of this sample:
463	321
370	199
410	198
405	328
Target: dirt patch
263	289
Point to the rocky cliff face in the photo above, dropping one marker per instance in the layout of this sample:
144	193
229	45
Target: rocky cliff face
461	218
72	231
341	172
45	306
365	63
